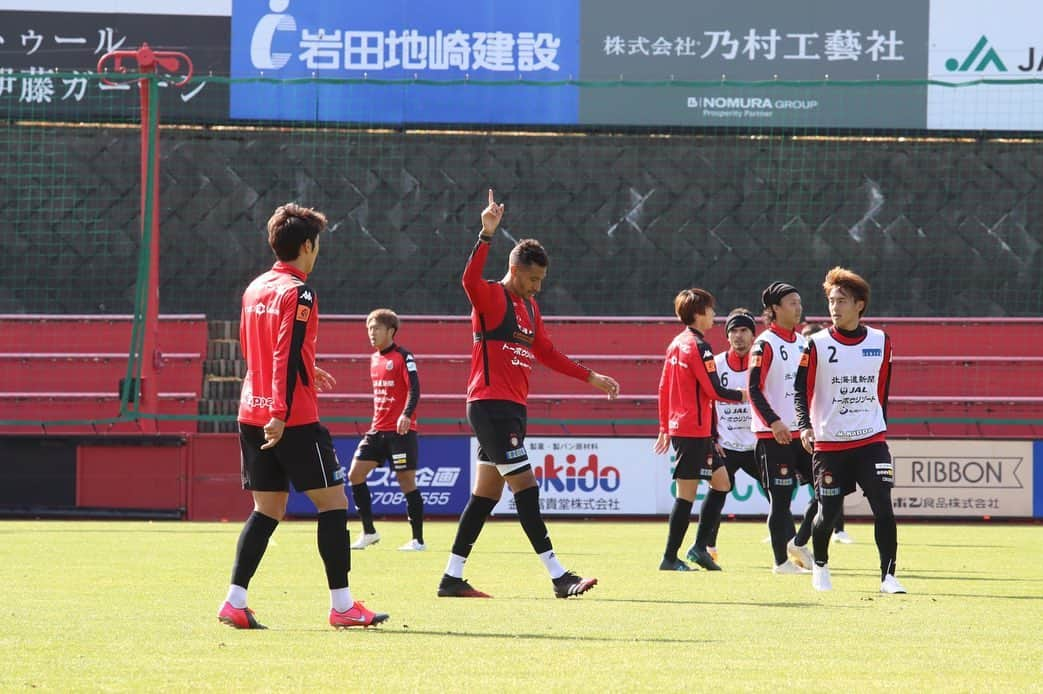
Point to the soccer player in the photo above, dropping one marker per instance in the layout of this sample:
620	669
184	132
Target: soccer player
509	337
783	461
687	388
842	387
280	435
734	441
392	435
839	534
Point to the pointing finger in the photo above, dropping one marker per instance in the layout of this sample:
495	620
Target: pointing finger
492	200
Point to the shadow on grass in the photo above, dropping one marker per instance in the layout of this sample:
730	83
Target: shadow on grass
979	596
543	637
951	576
955	545
714	603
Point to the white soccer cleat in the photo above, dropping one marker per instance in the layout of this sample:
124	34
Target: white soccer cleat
788	568
413	546
800	555
891	585
843	538
820	579
366	540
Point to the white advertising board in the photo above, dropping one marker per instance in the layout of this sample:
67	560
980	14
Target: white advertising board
969	44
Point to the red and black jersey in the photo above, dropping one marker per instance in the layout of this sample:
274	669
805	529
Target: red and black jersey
278	328
688	386
396	388
509	337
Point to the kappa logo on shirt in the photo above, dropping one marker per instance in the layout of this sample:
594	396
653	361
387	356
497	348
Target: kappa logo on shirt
306	296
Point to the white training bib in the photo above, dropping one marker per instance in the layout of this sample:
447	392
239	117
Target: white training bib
845	403
733	418
778	388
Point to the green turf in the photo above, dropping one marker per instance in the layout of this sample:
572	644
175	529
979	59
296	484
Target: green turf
131	606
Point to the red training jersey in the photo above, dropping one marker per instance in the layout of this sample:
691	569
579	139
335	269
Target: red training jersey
688	386
509	337
396	388
278	328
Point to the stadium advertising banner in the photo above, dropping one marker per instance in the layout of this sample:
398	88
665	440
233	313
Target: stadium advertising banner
1003	44
589	476
947	478
602	44
443	42
443	477
619	476
717	40
40	39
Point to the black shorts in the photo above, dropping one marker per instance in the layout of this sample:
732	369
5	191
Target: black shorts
304	456
499	426
735	461
836	472
692	457
389	446
783	465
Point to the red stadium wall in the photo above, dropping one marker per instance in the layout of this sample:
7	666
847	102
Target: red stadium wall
945	369
948	374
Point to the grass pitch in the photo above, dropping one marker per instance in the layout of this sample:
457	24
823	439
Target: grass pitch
131	606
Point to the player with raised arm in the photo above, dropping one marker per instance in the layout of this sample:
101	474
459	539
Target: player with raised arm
392	436
280	436
688	386
509	338
842	390
784	462
733	440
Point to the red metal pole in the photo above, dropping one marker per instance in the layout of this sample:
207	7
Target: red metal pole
150	356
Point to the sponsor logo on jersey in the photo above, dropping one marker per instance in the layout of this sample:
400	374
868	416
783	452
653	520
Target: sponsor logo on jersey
303	312
872	352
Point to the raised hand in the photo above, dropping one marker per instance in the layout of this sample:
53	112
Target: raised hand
491	215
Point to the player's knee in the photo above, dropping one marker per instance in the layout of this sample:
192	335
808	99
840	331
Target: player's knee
358	472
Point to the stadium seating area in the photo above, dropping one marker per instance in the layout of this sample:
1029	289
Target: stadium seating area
950	371
68	368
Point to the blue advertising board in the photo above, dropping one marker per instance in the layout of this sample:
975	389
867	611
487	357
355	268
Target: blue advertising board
470	40
1037	476
443	477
